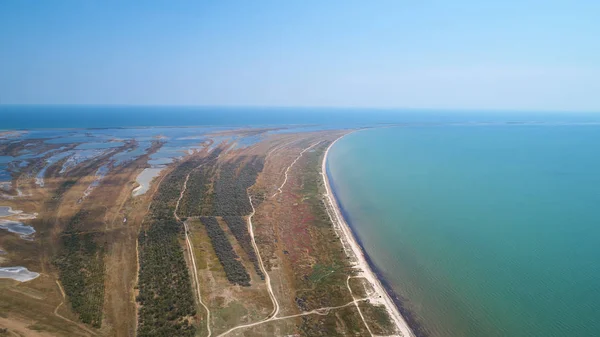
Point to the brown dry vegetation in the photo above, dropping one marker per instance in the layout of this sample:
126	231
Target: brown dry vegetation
102	222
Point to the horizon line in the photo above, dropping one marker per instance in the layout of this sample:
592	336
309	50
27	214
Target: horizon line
299	107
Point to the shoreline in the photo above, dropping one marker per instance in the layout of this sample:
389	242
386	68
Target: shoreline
363	262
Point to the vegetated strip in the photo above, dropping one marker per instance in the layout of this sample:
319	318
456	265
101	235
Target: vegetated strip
165	292
234	269
81	271
234	179
239	227
197	198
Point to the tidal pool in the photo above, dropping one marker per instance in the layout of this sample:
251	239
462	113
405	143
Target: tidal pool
144	179
16	227
18	273
130	155
7	210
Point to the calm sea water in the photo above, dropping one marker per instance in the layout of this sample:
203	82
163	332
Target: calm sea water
93	116
485	230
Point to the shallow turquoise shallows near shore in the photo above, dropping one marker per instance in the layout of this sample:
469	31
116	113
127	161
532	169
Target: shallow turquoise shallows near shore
484	231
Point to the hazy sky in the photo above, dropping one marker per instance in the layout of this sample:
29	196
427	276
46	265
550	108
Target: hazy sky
510	54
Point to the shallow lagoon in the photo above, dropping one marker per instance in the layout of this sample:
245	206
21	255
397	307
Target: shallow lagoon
40	176
94	145
177	142
127	156
16	227
7	211
4	174
18	273
144	179
79	156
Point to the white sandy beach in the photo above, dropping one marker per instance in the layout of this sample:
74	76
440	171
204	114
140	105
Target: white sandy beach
356	253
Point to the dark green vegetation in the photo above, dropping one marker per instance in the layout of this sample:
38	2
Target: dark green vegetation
222	190
234	179
197	199
239	228
165	293
234	269
81	271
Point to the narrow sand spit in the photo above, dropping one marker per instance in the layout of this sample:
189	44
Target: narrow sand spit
356	253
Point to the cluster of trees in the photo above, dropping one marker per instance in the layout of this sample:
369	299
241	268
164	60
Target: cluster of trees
81	271
170	189
234	179
196	199
234	269
239	227
165	292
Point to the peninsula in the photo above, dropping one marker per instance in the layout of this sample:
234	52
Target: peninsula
228	233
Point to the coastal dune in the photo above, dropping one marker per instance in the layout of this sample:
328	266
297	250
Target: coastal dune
356	254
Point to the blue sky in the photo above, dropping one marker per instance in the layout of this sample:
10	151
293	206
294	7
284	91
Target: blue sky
461	54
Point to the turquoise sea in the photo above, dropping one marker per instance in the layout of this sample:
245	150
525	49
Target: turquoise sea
482	231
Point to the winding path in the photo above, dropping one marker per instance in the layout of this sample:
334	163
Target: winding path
191	249
81	326
321	311
260	261
273	315
280	188
357	307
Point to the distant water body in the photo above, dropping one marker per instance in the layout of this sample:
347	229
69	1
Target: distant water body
484	231
93	116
